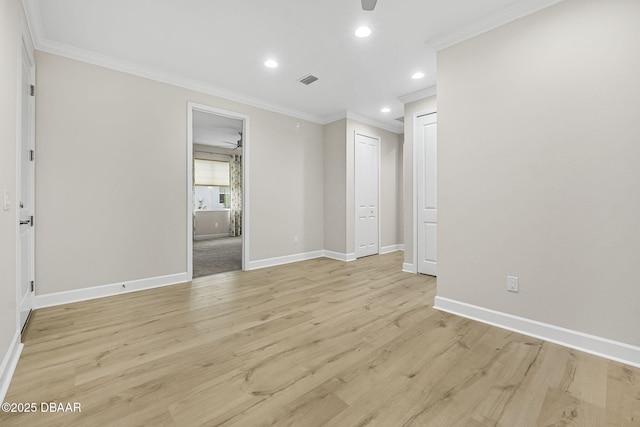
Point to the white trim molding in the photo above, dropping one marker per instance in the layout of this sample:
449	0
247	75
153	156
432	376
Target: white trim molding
419	94
211	236
66	297
389	249
398	129
409	268
598	346
401	247
9	363
246	139
339	256
111	63
270	262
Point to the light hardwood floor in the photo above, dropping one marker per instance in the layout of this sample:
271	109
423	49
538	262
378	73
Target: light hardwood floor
316	343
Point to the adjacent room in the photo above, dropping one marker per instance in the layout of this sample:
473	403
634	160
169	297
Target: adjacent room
217	193
336	213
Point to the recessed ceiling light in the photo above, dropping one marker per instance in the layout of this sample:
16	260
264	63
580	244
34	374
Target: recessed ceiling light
385	110
417	75
363	32
270	63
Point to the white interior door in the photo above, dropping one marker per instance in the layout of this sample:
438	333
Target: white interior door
367	167
426	164
26	197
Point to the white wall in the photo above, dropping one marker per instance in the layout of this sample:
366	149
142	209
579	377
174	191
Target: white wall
538	168
11	24
121	134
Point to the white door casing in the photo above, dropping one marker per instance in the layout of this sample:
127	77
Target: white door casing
191	107
427	212
26	186
366	185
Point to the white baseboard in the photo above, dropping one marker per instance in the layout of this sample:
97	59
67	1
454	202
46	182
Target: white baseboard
270	262
603	347
211	236
339	256
409	268
66	297
9	363
389	249
401	247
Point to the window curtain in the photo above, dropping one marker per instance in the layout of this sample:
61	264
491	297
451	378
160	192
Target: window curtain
235	167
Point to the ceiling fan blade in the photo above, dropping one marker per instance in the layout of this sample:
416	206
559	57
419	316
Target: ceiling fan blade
368	4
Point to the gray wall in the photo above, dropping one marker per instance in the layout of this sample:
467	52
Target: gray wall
538	168
99	129
335	186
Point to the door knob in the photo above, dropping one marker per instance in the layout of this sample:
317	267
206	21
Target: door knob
25	222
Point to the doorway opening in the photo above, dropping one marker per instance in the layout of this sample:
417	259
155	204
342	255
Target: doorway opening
367	194
425	193
217	215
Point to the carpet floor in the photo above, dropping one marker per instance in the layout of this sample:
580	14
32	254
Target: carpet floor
214	256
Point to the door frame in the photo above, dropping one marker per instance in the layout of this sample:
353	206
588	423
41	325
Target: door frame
355	200
24	45
191	107
414	196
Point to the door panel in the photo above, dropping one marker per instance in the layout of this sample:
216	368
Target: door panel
426	151
366	195
26	194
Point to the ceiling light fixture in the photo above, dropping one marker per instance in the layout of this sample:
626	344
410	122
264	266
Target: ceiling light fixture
417	75
363	32
270	63
385	110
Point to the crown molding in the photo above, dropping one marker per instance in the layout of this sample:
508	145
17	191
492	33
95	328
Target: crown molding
335	117
372	122
419	94
364	119
36	29
168	78
496	19
34	22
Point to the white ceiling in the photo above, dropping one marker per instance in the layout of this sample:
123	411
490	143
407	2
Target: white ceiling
211	129
219	46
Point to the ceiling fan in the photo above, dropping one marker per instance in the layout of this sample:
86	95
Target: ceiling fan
236	145
368	4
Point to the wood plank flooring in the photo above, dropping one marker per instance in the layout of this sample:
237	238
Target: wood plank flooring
316	343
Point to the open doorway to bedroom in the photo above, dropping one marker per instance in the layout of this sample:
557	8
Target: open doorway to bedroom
217	141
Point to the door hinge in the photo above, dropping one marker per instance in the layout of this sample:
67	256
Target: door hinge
32	90
32	155
31	220
33	286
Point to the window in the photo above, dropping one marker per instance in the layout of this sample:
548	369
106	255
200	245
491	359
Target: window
211	180
211	173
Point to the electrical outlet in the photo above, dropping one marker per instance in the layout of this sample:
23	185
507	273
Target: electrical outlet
295	239
512	284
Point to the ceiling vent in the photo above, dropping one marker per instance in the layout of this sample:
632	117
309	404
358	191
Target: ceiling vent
307	80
